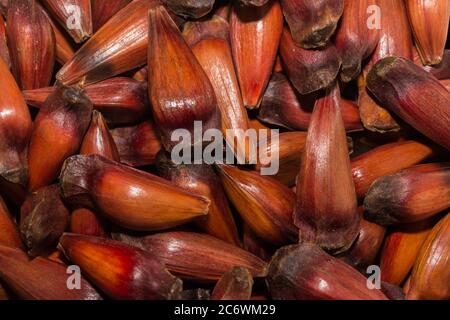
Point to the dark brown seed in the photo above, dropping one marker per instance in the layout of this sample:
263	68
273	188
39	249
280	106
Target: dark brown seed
411	195
309	70
283	106
196	256
305	272
312	23
58	132
43	219
190	8
120	271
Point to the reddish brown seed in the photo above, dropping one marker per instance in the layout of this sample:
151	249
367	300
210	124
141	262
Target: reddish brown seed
196	256
283	106
58	131
107	53
31	42
42	279
312	23
236	284
255	245
305	272
98	139
15	129
255	36
395	40
122	101
64	50
400	250
103	10
120	271
289	149
386	160
131	198
263	203
43	219
202	180
309	70
431	273
179	90
355	38
326	207
365	249
138	145
85	221
411	195
414	95
430	38
74	16
9	236
4	51
209	43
